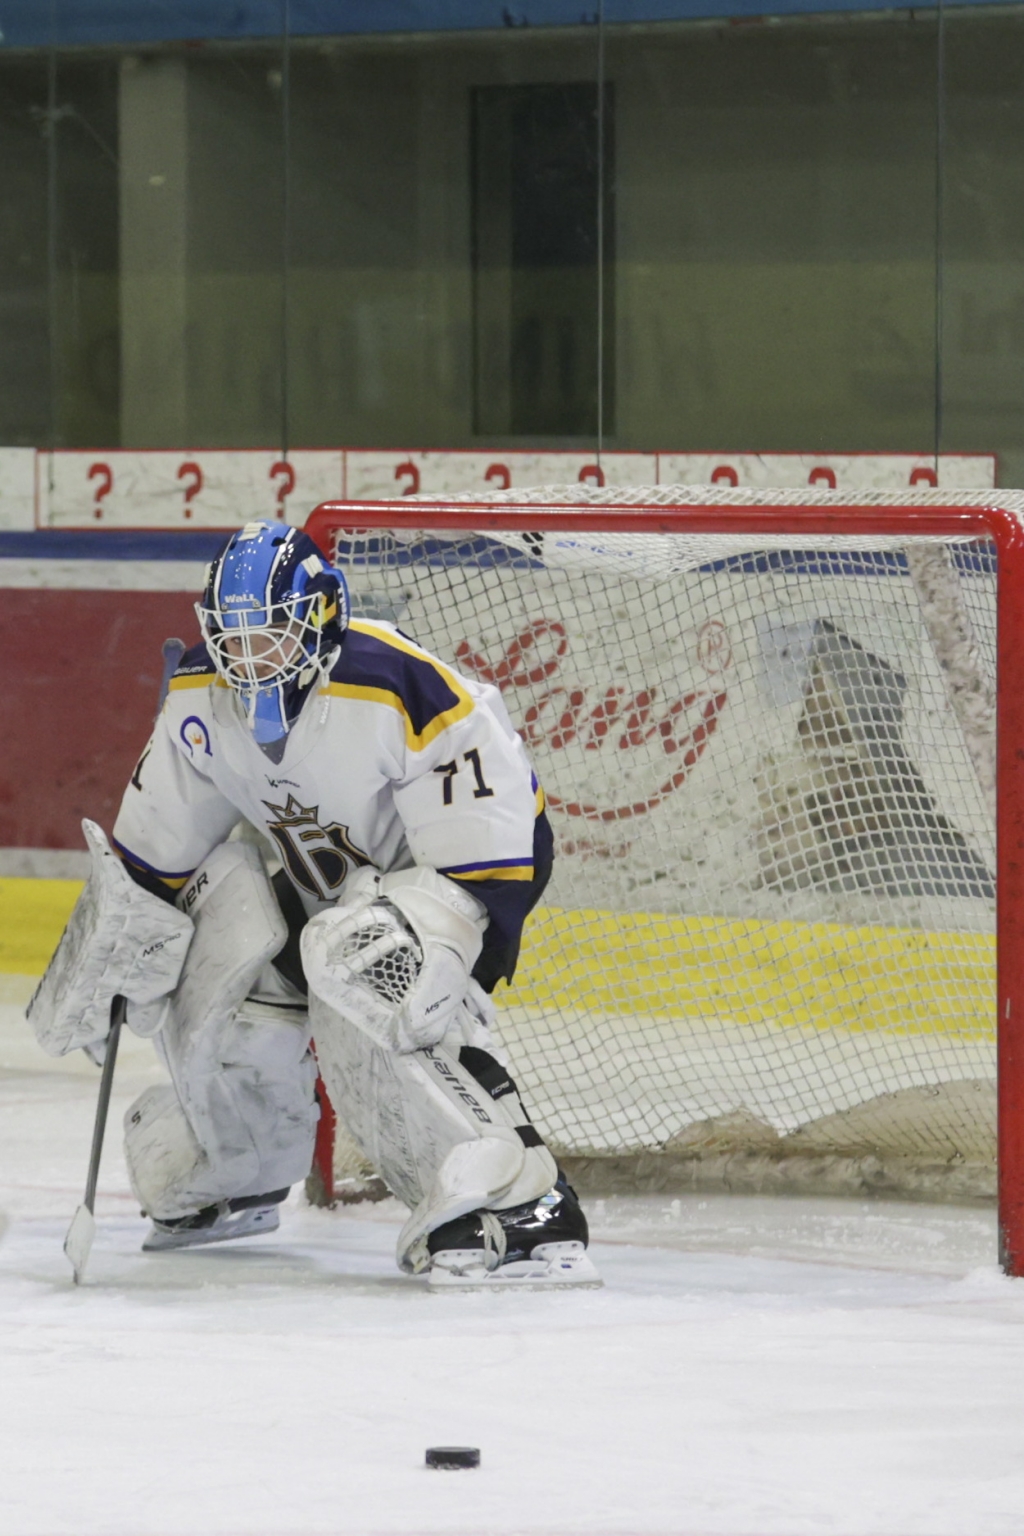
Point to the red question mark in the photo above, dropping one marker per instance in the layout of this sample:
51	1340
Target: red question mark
104	473
824	475
287	473
591	472
724	475
192	469
408	469
499	472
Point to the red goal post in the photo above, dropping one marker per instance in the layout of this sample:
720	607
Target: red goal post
797	521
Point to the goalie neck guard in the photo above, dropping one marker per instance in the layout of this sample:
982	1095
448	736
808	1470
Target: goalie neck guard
273	615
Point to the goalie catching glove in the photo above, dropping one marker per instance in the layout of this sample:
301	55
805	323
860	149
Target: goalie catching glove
394	956
119	941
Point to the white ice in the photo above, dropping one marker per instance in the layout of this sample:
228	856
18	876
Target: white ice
751	1367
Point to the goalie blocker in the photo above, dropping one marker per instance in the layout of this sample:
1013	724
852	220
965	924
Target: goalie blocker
120	940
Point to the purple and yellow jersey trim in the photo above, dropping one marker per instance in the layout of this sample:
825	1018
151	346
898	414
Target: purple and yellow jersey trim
497	869
198	680
173	881
382	668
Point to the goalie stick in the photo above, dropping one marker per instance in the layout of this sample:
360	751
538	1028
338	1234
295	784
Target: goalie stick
80	1234
172	652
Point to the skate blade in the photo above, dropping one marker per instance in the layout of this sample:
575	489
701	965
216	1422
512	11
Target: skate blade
239	1224
578	1272
78	1243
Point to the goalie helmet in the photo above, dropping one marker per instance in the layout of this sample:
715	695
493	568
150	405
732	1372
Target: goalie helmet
273	615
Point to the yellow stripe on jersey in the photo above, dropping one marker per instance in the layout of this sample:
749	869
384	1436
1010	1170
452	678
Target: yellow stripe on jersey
516	872
172	882
415	740
192	680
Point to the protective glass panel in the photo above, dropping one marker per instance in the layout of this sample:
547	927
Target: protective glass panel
776	243
202	248
444	269
981	228
59	251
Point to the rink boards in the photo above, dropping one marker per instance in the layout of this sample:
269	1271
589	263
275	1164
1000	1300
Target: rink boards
711	1038
808	975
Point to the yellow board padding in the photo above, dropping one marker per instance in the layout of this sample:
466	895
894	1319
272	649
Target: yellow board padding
32	918
751	972
741	971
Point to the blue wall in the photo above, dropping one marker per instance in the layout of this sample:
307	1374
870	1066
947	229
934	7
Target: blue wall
70	23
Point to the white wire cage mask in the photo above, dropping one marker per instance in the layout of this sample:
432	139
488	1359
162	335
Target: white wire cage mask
253	653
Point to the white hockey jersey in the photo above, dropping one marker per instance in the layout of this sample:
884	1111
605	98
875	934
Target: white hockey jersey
396	760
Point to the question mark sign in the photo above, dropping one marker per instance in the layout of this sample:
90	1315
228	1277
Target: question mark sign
192	469
287	474
408	471
101	472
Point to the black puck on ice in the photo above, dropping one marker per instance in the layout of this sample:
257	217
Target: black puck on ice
453	1456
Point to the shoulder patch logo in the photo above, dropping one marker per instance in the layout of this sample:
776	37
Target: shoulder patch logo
195	735
318	858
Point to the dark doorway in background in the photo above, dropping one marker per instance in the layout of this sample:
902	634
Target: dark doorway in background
536	154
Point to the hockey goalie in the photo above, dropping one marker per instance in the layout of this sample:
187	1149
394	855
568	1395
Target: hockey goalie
411	844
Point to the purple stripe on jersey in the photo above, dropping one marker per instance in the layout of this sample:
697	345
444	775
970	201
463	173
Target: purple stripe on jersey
161	874
467	869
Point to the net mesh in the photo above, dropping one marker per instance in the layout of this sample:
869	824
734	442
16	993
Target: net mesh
382	953
766	954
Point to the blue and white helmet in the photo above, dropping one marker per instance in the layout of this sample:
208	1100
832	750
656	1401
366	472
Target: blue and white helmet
273	615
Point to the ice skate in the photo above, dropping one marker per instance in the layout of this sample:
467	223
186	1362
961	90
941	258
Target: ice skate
220	1223
533	1246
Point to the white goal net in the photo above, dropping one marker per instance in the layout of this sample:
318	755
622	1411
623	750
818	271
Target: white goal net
766	955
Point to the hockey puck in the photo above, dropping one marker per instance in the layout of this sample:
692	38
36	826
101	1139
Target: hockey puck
453	1456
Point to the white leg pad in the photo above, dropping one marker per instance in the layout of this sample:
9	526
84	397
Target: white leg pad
240	1065
437	1138
258	1119
168	1169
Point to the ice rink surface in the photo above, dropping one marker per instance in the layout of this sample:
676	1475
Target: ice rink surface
752	1366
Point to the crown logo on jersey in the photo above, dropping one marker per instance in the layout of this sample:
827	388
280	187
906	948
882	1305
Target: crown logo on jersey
318	858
